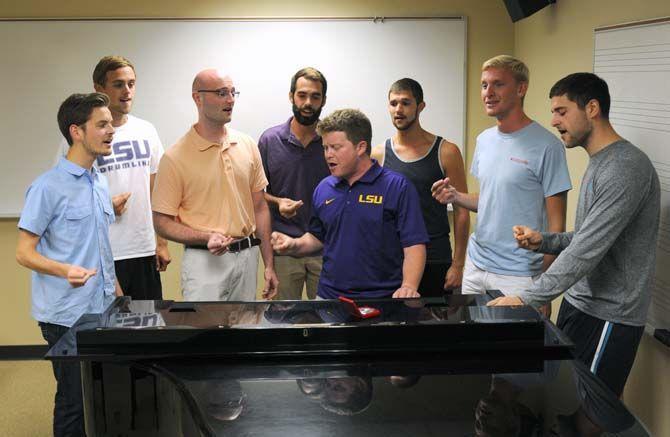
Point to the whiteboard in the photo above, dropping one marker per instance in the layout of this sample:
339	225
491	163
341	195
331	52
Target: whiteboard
45	61
634	59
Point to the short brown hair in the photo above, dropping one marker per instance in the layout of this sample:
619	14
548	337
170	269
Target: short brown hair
518	68
310	74
352	122
581	88
408	84
109	63
77	109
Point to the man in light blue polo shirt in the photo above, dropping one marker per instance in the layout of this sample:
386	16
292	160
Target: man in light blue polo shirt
64	240
366	219
523	178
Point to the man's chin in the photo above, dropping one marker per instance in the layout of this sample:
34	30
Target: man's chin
123	109
306	121
405	124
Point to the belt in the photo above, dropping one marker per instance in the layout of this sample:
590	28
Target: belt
235	246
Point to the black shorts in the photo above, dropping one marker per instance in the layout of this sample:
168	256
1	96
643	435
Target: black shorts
139	278
432	281
607	348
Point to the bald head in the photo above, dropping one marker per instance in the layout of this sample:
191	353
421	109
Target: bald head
214	96
208	79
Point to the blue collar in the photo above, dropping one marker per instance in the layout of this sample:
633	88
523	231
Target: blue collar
74	169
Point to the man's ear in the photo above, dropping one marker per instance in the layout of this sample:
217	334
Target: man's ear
196	97
522	89
362	148
592	109
75	133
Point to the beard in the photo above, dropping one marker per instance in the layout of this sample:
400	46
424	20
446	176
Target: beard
306	121
405	127
579	139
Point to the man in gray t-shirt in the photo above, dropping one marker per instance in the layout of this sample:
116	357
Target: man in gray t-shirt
606	265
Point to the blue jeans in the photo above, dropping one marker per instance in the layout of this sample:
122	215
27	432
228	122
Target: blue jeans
68	408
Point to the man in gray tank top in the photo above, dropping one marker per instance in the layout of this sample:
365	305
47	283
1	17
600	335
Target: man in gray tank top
606	265
423	158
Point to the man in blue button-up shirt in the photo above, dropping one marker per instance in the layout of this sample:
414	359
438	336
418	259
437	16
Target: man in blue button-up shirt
366	219
64	240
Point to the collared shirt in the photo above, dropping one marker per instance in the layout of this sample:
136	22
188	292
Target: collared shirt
293	171
136	152
364	229
208	186
70	209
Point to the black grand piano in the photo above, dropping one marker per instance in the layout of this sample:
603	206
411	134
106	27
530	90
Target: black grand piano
421	367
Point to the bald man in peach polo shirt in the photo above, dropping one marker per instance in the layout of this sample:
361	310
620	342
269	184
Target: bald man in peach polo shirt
208	195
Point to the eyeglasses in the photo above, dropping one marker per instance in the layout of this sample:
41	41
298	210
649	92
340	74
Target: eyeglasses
223	92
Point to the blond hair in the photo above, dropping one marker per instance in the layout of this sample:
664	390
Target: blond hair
518	68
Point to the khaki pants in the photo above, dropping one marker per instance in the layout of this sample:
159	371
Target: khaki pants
296	273
229	277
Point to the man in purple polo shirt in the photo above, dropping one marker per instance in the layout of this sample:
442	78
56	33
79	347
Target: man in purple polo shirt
366	219
292	155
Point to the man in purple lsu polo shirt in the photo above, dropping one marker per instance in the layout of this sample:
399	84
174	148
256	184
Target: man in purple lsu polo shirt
366	219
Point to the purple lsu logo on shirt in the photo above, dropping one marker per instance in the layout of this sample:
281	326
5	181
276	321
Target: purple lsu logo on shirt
126	154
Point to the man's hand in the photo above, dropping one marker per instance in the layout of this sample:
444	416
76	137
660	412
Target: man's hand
282	243
545	310
527	238
288	208
77	276
119	202
443	192
162	257
506	301
218	244
271	284
454	277
405	291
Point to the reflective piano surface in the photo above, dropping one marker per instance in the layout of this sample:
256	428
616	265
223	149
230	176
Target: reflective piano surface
422	367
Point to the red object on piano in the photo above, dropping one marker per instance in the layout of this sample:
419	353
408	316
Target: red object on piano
363	312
